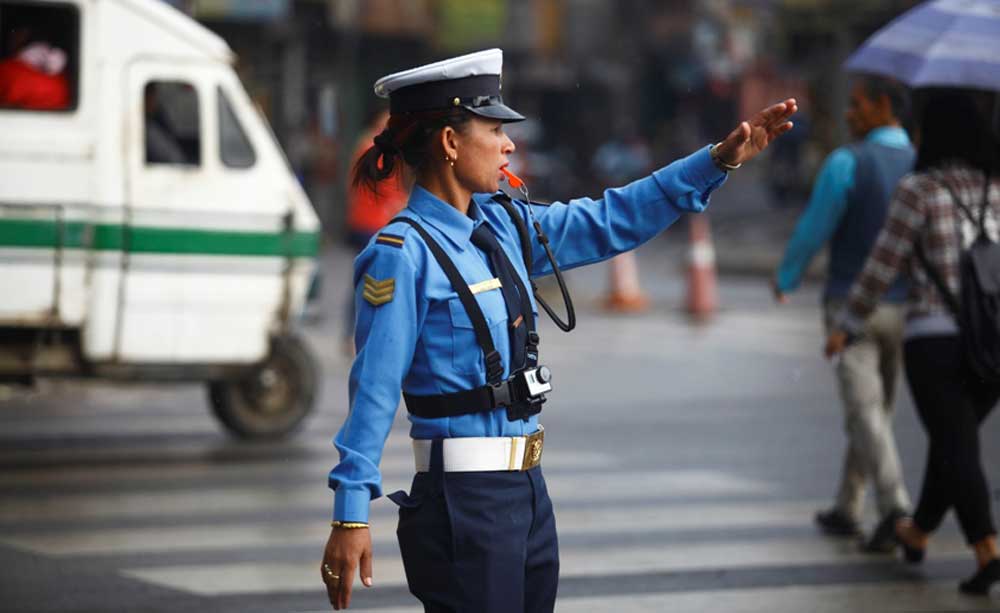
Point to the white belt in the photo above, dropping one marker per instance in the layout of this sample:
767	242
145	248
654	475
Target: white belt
473	454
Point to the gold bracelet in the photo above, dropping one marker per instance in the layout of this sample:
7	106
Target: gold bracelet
348	525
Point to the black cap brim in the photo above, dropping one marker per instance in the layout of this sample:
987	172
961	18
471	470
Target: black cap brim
496	111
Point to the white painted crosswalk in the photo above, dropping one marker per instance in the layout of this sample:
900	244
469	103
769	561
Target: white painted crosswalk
690	493
572	521
266	577
604	512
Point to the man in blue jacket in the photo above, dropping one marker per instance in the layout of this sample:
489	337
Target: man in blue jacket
847	209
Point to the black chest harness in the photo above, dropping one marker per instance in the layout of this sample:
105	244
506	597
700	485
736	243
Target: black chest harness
523	393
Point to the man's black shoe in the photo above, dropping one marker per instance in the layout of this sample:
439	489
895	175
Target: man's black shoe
836	523
883	539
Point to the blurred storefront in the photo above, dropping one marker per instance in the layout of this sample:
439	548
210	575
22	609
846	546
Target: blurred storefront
677	73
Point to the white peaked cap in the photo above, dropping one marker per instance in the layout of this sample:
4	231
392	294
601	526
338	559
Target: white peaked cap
488	62
469	81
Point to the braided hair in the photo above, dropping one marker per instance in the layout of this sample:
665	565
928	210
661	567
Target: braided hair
407	137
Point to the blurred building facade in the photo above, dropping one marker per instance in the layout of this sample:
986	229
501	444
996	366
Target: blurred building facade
678	72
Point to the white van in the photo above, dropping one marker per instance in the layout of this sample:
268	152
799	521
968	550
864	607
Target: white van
150	227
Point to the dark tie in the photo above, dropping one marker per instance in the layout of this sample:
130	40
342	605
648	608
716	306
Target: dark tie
483	238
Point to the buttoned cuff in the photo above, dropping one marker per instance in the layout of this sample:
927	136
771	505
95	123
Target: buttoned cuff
702	171
351	505
698	172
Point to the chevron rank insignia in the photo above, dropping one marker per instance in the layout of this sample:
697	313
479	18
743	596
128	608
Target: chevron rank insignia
379	292
390	239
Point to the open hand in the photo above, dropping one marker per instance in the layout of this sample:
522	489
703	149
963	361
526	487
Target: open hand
753	136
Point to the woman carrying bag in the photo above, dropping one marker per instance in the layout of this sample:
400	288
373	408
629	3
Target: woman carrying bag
936	214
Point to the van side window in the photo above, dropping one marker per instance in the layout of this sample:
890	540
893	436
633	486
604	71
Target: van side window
234	146
39	56
172	124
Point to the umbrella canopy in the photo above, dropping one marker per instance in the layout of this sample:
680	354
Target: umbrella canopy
942	43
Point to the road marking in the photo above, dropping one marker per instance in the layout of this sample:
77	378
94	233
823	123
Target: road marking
269	577
565	489
889	597
571	521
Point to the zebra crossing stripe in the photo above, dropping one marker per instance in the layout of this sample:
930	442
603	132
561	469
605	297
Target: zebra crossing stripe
565	490
651	519
268	577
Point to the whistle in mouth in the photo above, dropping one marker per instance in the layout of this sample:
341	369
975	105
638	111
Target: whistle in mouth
514	180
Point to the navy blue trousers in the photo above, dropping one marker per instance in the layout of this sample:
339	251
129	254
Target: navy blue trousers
479	542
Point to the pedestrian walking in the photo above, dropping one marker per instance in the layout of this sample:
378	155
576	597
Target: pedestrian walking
847	209
935	215
445	317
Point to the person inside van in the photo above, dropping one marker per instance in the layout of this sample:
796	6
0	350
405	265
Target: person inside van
33	74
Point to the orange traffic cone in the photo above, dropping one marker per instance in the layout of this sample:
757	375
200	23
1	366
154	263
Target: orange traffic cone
625	294
702	294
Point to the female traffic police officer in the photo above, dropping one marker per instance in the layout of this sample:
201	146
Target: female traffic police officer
444	315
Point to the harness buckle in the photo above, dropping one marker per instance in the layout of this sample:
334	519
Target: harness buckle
501	394
494	368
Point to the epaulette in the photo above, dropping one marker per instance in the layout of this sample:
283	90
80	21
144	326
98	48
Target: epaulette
391	240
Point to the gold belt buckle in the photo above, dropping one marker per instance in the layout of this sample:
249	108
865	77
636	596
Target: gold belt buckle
533	444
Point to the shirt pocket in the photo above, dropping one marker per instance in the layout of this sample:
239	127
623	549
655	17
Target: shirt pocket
466	355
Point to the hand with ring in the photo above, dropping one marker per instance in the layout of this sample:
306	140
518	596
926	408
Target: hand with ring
347	551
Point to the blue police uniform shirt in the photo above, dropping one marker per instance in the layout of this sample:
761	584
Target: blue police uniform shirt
422	341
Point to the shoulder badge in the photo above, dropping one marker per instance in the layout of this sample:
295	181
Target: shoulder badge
392	240
379	292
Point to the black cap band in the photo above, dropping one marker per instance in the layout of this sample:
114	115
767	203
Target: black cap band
439	95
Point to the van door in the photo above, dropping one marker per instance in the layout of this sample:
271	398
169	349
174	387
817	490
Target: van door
204	271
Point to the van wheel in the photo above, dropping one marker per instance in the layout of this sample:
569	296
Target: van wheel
273	398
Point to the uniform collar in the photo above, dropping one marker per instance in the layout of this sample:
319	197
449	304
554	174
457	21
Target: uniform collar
444	217
892	136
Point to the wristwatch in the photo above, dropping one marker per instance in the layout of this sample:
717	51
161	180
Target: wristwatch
719	162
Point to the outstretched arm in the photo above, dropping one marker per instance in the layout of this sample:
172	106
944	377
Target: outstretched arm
583	231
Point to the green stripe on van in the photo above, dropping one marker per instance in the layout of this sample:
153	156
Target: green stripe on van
44	234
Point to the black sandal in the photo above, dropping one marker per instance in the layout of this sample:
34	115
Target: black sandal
913	555
979	584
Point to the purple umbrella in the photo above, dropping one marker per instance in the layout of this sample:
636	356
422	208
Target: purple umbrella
941	43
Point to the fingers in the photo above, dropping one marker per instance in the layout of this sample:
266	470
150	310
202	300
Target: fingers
741	134
733	141
332	584
338	577
776	114
771	114
785	127
344	587
366	567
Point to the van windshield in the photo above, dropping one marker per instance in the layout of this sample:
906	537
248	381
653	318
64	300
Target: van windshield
235	149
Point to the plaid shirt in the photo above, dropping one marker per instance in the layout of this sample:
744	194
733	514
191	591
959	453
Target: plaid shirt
922	210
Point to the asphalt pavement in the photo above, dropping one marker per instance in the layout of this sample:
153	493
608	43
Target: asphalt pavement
685	463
